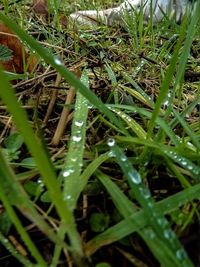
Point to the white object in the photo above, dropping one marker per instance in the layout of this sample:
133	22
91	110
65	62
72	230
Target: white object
159	9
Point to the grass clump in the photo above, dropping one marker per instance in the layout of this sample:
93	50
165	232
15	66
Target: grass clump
138	92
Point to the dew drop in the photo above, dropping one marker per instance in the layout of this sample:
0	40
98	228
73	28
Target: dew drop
162	222
78	123
123	158
67	198
145	192
111	154
190	167
111	142
180	254
134	177
66	173
168	234
76	138
58	61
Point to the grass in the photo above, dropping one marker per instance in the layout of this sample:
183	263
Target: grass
110	176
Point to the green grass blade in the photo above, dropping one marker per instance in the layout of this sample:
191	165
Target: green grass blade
6	194
131	123
166	82
188	130
74	161
17	196
125	227
43	163
159	224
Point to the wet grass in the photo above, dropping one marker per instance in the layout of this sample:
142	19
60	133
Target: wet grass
110	173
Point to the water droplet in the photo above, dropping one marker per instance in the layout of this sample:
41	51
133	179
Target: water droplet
190	167
168	234
145	192
134	177
150	204
180	254
79	123
111	154
67	197
162	222
58	61
123	158
66	173
76	138
111	142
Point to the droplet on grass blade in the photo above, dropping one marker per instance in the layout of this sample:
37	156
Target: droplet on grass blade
134	177
111	142
76	138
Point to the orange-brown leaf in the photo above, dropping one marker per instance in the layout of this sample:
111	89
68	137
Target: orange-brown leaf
16	64
40	7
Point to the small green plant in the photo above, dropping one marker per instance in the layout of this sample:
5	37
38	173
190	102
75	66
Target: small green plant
13	144
5	53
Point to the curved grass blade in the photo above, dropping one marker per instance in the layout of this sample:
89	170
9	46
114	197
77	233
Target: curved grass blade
160	122
168	151
71	173
125	227
144	97
132	124
157	221
44	165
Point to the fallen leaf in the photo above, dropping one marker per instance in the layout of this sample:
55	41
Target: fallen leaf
19	54
40	7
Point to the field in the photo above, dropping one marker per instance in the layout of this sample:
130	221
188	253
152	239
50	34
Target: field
100	139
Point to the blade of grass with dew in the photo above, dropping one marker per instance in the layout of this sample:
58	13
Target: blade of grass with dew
131	123
166	82
126	208
148	101
156	219
160	122
8	245
74	161
182	179
183	60
71	172
136	95
186	48
113	79
182	64
44	166
125	227
165	150
56	63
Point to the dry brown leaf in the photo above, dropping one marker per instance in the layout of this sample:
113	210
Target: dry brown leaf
16	64
40	7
